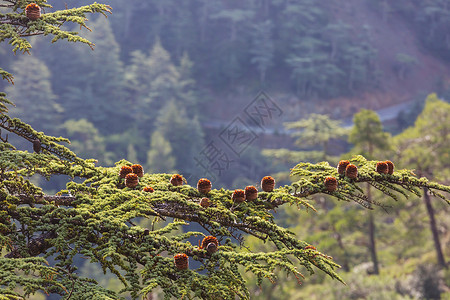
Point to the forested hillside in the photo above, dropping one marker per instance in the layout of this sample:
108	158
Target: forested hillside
314	49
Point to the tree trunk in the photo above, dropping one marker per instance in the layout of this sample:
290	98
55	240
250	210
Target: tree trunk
372	243
434	230
345	265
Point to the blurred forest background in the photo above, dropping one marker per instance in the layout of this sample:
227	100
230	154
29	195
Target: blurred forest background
167	78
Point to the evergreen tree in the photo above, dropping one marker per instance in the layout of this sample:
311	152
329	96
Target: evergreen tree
314	136
367	133
153	81
229	61
86	140
159	157
262	48
426	147
368	136
358	58
184	135
32	92
187	89
317	131
433	24
98	95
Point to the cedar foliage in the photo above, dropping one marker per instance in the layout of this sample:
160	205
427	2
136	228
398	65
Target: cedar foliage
96	217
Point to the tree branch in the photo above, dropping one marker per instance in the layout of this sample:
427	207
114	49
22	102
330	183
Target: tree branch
183	211
43	199
36	246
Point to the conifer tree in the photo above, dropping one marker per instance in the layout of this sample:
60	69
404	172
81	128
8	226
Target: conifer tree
426	147
184	135
313	136
262	48
32	87
368	136
86	140
159	157
96	215
367	133
153	80
101	100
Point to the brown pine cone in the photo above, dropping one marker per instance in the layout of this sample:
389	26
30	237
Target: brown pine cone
382	167
251	193
124	171
204	186
390	167
204	202
181	261
351	171
148	189
131	180
342	165
210	243
268	184
238	196
331	183
176	180
33	11
138	170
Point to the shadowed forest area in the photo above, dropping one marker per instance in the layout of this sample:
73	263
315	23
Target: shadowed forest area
238	90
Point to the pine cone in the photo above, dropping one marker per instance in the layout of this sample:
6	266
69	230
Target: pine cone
204	202
342	165
33	11
181	261
210	243
37	146
331	184
124	171
238	196
251	193
204	186
351	171
131	180
382	167
268	184
138	170
310	247
390	167
211	248
148	189
176	180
